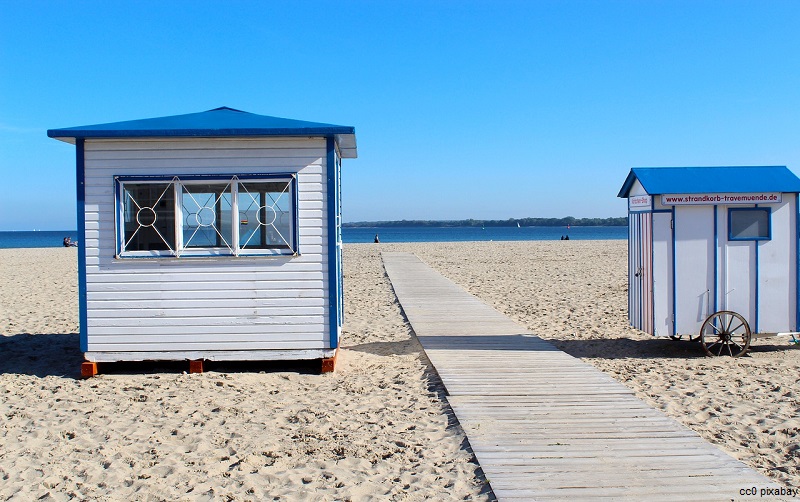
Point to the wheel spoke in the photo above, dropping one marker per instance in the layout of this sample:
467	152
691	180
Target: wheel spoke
719	351
730	321
737	327
730	351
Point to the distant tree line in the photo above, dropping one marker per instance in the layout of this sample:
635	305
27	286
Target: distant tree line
511	222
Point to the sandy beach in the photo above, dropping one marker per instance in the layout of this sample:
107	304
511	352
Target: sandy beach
379	427
376	429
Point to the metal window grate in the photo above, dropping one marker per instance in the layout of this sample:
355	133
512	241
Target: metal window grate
208	215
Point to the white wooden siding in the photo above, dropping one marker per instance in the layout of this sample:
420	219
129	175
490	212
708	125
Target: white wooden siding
777	271
204	305
637	189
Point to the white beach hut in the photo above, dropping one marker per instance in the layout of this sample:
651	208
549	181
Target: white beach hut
209	236
705	240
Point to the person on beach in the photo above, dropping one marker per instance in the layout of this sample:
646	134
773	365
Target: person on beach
69	242
377	241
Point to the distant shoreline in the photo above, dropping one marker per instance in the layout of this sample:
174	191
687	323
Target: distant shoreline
511	222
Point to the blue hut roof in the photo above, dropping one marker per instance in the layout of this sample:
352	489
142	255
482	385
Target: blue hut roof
219	122
738	179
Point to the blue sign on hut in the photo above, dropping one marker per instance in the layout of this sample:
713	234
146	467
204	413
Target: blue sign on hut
713	253
210	236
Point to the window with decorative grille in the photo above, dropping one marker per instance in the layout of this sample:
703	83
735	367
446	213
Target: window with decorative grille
207	216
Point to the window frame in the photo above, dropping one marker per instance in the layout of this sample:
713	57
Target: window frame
767	210
178	183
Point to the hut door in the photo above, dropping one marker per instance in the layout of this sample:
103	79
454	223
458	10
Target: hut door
694	259
738	290
662	274
640	272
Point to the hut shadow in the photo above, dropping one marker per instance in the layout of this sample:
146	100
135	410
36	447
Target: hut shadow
653	348
624	348
607	348
419	344
303	367
41	355
506	342
310	367
59	355
765	346
399	348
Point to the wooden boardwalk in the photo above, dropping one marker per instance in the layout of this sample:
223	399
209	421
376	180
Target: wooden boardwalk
545	425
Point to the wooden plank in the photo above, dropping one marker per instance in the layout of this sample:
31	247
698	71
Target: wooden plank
545	425
188	346
134	312
267	297
197	325
167	144
200	287
215	355
275	336
210	165
218	277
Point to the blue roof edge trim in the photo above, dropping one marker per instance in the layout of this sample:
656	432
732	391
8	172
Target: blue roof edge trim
711	179
226	108
197	133
623	192
222	122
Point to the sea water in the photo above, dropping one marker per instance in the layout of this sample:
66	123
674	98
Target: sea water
36	239
55	238
461	234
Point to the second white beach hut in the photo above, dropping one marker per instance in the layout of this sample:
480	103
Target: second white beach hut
210	236
713	253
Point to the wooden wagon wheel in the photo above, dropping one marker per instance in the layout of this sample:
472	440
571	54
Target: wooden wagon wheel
725	333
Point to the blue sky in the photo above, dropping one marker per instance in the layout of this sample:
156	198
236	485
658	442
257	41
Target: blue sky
471	109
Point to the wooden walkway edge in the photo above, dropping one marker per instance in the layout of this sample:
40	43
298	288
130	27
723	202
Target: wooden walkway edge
544	425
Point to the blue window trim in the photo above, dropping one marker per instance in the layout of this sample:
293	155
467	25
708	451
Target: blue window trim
81	209
119	217
766	209
120	180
